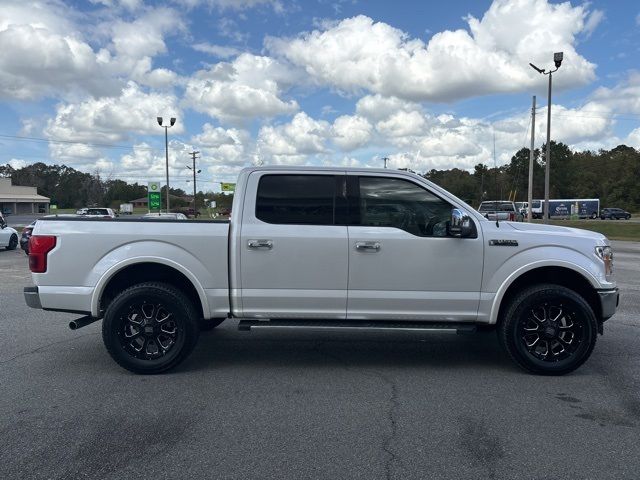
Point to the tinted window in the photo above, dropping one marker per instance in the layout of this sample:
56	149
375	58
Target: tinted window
392	202
296	199
97	211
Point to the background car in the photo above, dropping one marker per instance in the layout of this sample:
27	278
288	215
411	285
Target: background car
500	210
614	214
166	216
8	236
98	212
26	235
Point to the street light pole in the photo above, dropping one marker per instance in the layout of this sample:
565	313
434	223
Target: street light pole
547	162
557	59
166	150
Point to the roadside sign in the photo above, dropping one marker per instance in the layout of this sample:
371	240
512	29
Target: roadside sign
155	201
228	187
213	204
53	207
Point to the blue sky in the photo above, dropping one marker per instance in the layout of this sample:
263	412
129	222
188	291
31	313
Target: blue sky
324	82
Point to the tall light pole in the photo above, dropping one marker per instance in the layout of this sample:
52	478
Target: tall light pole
557	60
172	122
193	156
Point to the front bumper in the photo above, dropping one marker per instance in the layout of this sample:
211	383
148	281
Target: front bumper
609	301
32	297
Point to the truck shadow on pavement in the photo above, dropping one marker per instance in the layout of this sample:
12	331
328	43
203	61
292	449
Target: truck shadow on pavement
226	347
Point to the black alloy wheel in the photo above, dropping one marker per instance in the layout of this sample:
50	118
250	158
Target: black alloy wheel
548	329
150	328
13	242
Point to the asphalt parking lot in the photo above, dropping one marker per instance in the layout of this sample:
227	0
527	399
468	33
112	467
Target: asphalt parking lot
313	405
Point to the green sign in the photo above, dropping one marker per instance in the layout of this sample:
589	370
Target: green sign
155	200
227	187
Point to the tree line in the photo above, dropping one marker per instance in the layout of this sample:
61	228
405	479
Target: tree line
67	187
613	176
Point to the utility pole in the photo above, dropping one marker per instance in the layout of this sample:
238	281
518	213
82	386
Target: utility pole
533	134
193	156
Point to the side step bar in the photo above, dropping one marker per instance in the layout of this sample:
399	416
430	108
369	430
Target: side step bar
356	326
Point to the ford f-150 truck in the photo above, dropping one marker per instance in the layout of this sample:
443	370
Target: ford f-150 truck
328	248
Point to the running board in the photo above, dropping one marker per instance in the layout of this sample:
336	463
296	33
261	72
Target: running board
356	326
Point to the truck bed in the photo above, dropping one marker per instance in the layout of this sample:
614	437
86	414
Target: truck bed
89	250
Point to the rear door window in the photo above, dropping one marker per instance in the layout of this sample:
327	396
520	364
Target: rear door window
297	199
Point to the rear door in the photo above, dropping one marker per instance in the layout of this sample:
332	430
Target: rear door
293	246
402	263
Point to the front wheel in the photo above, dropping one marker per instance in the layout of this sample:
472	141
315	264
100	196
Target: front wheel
13	242
548	329
150	327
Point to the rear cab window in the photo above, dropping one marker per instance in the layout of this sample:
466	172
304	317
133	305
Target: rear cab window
290	199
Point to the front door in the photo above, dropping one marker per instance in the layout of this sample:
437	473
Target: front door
402	263
293	250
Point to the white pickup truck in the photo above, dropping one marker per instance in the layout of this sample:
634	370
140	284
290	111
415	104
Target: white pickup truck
328	248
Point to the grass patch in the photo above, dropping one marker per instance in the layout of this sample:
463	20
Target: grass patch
612	229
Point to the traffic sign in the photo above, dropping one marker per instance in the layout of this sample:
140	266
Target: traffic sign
154	199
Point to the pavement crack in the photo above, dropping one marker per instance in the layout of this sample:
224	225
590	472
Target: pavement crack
391	413
387	445
42	347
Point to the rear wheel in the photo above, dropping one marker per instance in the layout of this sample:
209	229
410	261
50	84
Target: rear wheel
548	329
13	242
150	328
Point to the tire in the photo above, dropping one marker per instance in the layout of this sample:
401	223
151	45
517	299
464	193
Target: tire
150	328
594	216
210	324
13	242
551	316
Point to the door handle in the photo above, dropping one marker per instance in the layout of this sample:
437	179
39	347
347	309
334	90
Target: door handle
368	246
266	244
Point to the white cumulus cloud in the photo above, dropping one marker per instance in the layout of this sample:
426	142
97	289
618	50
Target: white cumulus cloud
249	87
491	56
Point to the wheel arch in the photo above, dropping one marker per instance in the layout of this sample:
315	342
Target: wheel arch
138	270
571	277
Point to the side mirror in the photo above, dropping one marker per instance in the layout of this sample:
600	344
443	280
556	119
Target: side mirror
460	225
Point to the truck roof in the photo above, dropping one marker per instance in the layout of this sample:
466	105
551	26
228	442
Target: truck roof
308	168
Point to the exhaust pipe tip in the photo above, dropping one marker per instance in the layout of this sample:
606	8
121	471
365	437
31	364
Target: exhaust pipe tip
82	322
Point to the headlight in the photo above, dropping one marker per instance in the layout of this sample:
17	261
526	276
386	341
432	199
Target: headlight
606	255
